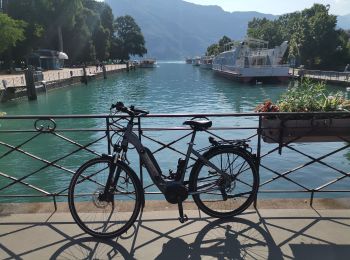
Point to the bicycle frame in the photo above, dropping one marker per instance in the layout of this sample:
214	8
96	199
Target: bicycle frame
156	176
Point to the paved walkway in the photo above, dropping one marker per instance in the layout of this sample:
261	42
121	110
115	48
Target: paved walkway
18	80
263	234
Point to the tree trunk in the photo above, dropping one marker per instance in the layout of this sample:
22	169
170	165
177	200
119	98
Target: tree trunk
60	38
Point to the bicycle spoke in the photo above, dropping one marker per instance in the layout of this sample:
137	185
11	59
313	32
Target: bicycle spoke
219	196
101	213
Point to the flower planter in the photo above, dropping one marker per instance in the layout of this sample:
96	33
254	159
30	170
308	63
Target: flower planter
305	130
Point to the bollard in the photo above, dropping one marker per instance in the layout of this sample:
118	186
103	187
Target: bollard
104	71
3	93
31	90
84	76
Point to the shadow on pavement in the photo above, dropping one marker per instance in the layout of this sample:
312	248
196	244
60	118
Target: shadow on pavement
91	248
235	238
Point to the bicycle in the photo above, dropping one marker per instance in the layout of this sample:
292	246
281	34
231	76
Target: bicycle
105	195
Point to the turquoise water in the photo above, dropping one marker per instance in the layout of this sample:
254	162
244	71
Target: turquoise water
172	87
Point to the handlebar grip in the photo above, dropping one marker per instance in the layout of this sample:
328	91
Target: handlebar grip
140	111
132	111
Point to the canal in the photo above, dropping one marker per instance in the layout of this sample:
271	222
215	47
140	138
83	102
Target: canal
172	87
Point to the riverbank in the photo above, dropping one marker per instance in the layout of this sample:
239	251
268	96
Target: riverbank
14	86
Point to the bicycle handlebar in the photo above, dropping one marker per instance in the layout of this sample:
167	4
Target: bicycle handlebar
131	111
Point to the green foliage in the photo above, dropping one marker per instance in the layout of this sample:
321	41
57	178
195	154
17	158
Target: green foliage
313	37
216	48
223	41
11	32
213	49
129	39
309	96
87	28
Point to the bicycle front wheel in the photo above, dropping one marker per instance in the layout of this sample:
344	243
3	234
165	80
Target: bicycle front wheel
99	217
219	197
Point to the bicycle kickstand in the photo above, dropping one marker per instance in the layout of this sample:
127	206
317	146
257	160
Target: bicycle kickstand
183	217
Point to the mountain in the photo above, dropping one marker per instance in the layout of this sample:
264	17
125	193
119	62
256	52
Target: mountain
344	21
175	29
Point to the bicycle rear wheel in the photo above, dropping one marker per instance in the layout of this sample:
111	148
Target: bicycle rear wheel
97	216
218	197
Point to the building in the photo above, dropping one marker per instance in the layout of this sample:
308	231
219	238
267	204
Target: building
47	59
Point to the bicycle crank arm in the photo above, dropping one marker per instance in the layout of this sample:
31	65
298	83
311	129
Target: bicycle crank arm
183	217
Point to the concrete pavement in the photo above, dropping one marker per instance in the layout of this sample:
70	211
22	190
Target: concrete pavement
263	234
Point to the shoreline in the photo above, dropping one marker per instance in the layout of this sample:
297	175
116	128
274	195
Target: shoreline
53	79
162	205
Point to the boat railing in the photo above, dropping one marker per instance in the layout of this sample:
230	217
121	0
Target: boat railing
34	147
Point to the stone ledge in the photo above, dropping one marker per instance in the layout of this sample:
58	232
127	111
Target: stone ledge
161	205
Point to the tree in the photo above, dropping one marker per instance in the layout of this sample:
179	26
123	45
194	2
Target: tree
129	39
223	41
12	31
213	49
313	37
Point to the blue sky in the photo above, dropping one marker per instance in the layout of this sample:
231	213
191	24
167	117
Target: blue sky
338	7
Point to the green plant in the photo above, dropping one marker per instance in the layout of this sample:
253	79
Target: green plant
309	96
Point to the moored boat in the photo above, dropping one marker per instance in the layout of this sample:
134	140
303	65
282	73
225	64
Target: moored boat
206	62
252	61
148	63
188	60
196	61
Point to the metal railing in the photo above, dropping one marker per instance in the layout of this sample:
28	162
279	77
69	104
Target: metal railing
326	75
39	154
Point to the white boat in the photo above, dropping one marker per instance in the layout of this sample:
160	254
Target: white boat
196	61
188	60
252	61
206	62
148	63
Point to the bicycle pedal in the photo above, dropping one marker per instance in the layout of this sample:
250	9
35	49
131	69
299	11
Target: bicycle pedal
183	219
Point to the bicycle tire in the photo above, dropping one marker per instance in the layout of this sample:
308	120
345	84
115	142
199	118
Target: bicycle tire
84	199
240	163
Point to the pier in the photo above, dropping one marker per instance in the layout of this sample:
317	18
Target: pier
14	86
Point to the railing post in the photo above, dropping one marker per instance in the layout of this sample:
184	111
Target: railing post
108	134
258	154
140	135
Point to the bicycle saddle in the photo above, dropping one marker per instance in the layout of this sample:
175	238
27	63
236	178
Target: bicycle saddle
198	125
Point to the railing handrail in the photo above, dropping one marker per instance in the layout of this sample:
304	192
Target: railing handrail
109	124
327	113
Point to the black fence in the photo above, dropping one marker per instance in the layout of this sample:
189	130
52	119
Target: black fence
299	154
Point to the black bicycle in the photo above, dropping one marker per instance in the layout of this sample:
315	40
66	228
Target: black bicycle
105	194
